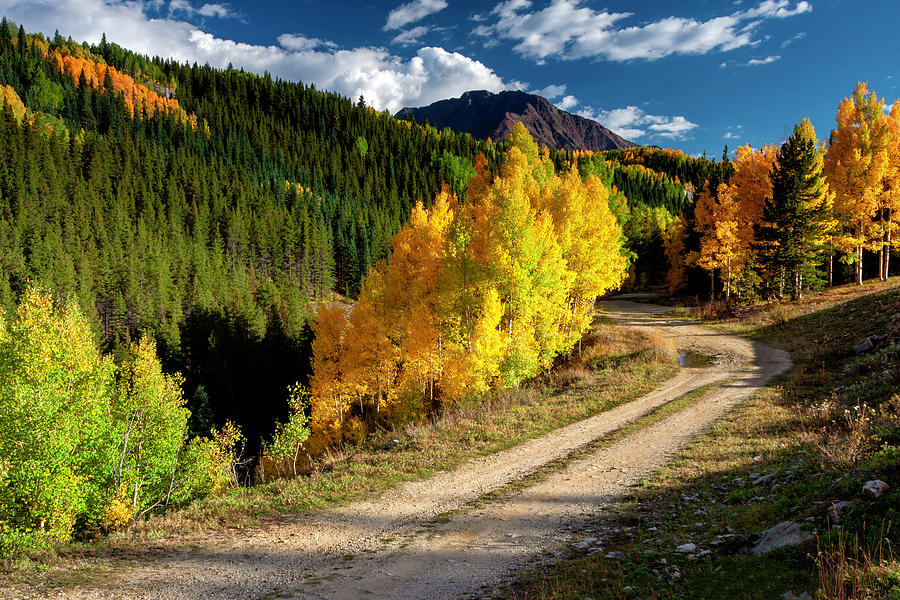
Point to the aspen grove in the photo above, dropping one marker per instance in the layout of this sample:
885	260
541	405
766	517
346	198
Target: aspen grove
479	295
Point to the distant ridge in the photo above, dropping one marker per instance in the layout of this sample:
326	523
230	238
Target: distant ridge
488	115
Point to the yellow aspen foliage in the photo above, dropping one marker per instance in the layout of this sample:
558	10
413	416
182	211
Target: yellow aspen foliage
716	219
329	389
371	358
9	97
855	167
477	295
889	206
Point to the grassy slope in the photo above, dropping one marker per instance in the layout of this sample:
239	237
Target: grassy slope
616	365
804	429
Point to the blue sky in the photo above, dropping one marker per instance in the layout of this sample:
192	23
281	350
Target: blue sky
691	75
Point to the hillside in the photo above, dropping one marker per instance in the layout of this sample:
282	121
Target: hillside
204	207
488	115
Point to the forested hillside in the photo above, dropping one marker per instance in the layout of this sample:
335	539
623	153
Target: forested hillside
204	207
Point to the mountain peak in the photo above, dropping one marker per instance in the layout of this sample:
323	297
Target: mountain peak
487	114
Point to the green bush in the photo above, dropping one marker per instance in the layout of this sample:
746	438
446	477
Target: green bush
284	456
87	447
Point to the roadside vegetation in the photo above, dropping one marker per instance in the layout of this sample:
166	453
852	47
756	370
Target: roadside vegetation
801	449
615	365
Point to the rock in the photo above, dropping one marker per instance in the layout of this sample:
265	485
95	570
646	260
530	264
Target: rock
835	511
685	548
614	554
789	595
864	345
786	533
580	545
764	479
703	553
875	488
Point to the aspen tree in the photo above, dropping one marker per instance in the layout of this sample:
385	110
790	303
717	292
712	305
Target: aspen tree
855	166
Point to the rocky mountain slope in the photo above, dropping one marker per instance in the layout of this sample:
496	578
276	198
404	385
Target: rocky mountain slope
488	115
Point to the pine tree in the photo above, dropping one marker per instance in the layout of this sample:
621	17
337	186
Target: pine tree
797	218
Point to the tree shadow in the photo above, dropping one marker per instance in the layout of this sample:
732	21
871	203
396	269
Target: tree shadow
231	373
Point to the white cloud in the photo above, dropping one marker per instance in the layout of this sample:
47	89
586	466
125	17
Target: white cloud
551	91
221	11
387	81
568	30
567	102
214	10
793	39
411	36
300	43
413	11
764	61
632	122
730	135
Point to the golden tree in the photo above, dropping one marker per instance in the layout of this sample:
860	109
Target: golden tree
855	166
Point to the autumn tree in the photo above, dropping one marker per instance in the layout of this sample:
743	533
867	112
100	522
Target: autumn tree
889	205
717	221
856	165
674	247
477	295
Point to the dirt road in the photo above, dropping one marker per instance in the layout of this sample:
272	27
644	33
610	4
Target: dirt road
392	546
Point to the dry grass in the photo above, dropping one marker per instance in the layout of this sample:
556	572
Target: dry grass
823	429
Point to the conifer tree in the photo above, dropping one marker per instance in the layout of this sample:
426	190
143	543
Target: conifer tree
797	218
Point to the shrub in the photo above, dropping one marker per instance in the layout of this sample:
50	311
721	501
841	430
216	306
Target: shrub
284	456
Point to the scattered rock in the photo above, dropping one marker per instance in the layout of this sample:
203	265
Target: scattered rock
614	554
875	488
864	345
764	479
835	511
580	545
685	548
786	533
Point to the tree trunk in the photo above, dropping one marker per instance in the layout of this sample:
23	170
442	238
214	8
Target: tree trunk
887	255
830	268
712	287
859	265
728	284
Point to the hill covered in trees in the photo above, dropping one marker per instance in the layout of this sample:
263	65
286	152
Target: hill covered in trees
204	208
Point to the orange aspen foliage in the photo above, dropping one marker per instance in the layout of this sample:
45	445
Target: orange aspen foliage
328	389
673	242
138	97
716	219
476	296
